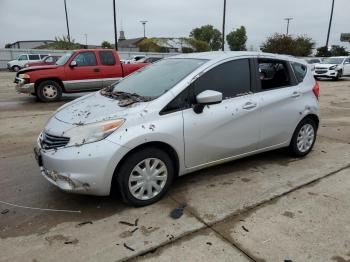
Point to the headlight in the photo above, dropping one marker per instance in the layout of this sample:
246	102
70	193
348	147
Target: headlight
92	132
333	67
24	76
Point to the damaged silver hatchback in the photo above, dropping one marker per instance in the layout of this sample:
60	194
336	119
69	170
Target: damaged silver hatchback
176	116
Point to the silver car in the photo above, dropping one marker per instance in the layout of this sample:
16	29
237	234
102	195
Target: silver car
176	116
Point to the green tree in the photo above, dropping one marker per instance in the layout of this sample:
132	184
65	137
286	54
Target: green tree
106	44
237	39
208	34
336	50
198	45
323	51
286	44
8	45
63	43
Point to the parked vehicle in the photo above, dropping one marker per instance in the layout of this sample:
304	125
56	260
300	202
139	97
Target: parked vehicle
150	59
313	61
176	116
81	70
48	60
134	59
333	67
17	64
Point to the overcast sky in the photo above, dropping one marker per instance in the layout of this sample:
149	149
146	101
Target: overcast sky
45	19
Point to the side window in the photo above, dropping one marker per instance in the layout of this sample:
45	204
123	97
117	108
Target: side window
231	79
347	61
300	71
34	57
181	102
273	74
49	59
43	56
22	57
86	59
107	58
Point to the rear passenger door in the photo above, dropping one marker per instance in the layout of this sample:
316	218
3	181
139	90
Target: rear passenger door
347	67
111	69
279	98
86	75
227	129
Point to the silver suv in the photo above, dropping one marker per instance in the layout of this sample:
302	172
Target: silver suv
176	116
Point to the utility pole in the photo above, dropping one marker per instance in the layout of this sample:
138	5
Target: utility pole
330	24
223	27
288	19
115	28
65	7
85	39
144	27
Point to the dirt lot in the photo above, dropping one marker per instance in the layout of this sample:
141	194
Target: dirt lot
269	207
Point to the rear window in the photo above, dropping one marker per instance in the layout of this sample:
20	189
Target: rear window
273	74
300	71
107	58
34	57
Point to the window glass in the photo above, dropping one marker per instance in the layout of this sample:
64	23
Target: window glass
347	60
22	57
299	71
49	59
231	79
86	59
273	74
156	79
107	58
63	59
43	56
34	57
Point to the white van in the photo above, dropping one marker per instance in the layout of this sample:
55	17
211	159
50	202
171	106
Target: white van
17	64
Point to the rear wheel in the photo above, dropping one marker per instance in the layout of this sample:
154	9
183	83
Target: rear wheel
145	176
49	91
304	138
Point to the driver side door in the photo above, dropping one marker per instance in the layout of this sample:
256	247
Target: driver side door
229	128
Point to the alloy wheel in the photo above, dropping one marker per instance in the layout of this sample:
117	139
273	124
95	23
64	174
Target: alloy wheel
305	138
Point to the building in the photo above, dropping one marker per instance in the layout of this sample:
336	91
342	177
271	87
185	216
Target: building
30	44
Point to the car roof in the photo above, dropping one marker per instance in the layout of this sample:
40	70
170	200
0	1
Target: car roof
222	55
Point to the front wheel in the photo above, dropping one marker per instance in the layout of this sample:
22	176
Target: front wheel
16	68
304	138
49	91
145	176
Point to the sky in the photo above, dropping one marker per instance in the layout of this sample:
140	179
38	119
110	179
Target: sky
45	19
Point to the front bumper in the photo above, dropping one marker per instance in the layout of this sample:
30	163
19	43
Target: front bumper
23	87
86	169
325	73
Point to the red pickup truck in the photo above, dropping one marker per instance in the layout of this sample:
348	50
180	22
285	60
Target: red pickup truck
78	71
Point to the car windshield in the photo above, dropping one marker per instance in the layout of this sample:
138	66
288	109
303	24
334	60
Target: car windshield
333	60
64	59
154	80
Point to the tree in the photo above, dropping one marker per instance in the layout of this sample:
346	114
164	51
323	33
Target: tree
63	43
286	44
208	34
106	44
198	45
8	45
237	39
336	50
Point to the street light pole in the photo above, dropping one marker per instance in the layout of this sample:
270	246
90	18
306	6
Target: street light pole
85	39
115	28
65	7
288	19
144	27
330	24
223	27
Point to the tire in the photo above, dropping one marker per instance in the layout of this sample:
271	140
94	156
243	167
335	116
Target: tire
16	68
304	138
338	76
49	91
131	173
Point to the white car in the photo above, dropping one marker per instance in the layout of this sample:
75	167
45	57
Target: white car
19	63
333	67
134	59
177	116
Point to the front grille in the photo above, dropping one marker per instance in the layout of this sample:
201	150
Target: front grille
321	71
50	141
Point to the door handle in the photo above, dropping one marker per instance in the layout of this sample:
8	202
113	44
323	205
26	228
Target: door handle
249	105
96	70
296	94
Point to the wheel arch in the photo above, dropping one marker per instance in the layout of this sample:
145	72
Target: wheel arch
313	117
155	144
39	81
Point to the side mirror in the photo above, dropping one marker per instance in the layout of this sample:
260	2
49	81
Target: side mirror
208	97
73	64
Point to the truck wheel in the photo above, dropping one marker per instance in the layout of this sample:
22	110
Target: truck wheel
145	176
49	91
16	68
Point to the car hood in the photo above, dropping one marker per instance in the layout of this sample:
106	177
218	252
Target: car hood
36	68
324	65
94	108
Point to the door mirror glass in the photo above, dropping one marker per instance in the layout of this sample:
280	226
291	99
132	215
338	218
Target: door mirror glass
73	64
208	97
